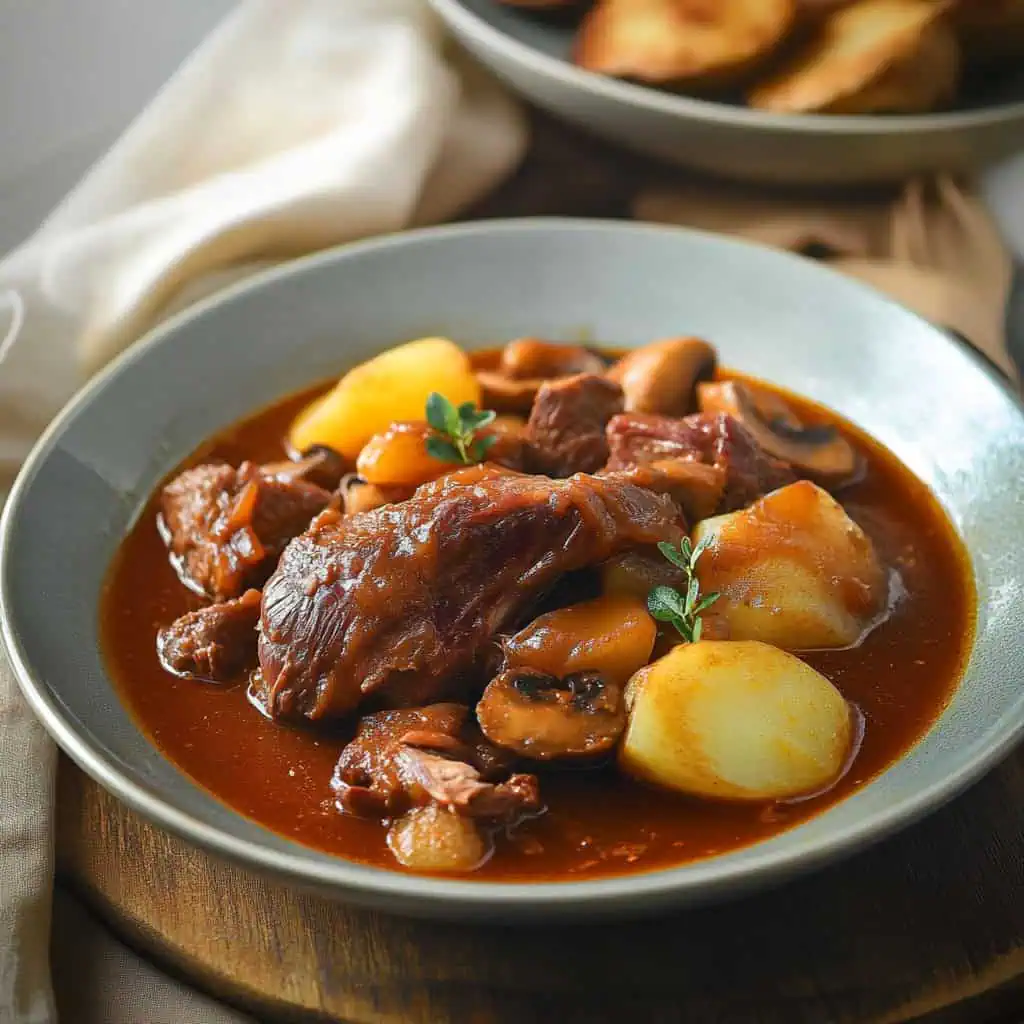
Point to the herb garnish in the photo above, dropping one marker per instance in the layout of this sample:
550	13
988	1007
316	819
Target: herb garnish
455	429
666	604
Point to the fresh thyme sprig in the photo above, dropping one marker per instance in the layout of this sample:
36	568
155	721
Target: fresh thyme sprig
455	438
666	604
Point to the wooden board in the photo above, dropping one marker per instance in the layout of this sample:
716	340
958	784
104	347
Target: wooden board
929	925
930	922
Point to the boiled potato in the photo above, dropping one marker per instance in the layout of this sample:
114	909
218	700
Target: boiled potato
664	41
613	635
736	721
793	570
393	386
871	57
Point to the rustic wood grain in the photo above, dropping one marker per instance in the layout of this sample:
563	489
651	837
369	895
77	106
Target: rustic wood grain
927	926
925	923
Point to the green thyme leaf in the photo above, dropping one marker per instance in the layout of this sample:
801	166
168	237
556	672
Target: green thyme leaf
700	549
482	445
455	440
479	419
682	610
673	554
692	592
664	604
444	450
440	413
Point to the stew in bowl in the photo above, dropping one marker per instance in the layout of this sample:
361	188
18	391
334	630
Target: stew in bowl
542	612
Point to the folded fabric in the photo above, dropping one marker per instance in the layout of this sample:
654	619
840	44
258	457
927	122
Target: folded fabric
297	125
934	247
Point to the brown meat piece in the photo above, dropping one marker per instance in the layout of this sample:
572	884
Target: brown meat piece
695	487
566	430
403	602
226	527
215	643
653	442
408	758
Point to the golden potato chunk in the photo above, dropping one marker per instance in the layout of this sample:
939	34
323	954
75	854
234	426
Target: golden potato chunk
873	57
793	570
697	43
735	721
393	386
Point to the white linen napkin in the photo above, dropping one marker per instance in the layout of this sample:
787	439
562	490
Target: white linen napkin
297	125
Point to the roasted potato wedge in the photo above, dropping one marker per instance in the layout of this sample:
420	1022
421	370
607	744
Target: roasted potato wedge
876	56
692	43
735	721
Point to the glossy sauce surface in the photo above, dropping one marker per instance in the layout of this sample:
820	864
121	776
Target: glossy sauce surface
597	822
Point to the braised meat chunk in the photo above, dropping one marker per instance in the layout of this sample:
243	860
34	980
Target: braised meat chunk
226	527
746	471
566	430
410	758
215	643
402	602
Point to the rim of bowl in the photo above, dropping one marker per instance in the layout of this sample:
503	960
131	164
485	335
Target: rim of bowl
675	104
701	880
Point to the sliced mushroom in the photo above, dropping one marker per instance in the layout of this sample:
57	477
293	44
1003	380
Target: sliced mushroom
359	496
541	717
318	465
820	452
662	377
525	365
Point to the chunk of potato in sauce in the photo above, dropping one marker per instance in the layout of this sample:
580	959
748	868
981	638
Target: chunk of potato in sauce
793	570
735	720
599	822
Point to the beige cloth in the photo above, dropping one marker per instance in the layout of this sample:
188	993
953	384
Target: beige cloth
299	124
934	247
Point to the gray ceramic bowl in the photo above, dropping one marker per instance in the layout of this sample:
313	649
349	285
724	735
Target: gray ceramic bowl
774	315
531	53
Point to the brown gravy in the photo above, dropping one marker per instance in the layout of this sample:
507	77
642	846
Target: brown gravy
598	823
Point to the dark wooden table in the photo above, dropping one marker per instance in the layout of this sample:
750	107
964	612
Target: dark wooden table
928	926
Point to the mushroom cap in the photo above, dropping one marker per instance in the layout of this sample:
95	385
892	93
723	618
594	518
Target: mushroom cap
543	718
526	365
819	452
662	377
